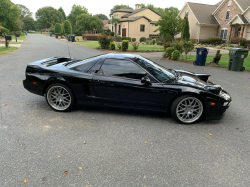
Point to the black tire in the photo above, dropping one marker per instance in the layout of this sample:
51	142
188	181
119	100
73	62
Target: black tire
242	69
195	63
192	111
66	96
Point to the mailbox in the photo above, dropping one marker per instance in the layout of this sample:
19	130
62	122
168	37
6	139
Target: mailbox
17	34
8	37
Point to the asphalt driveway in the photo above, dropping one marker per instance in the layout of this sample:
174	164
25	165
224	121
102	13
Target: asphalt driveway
108	147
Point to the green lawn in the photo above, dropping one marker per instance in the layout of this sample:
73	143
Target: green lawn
4	50
223	62
95	44
18	38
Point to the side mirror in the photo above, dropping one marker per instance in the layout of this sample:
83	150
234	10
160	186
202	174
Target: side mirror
146	81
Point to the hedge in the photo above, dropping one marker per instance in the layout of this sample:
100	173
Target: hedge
93	37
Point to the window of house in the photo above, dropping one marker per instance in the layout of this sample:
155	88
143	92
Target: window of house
142	28
228	13
119	29
186	13
122	68
223	34
229	3
112	28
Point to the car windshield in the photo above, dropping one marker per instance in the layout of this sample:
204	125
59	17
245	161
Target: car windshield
158	71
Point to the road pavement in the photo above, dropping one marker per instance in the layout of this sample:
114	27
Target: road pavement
108	147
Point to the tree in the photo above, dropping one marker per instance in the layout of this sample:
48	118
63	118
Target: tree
169	25
116	7
63	13
102	16
58	28
87	22
29	23
187	46
24	11
156	9
76	10
115	21
67	27
9	15
185	30
48	16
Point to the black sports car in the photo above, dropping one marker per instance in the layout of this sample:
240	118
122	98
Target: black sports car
128	81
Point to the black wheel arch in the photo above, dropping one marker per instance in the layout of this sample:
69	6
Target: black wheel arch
52	81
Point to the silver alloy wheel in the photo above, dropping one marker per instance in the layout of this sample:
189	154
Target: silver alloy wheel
59	98
189	110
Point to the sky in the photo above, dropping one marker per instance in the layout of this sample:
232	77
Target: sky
103	6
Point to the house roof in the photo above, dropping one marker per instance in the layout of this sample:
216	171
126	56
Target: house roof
203	13
131	19
105	21
244	4
122	10
239	16
138	10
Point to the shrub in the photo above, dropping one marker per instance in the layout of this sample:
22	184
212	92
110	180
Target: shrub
135	45
238	40
149	42
154	41
169	52
129	39
164	55
119	45
218	47
104	41
166	45
125	45
4	30
118	38
175	55
142	39
67	27
203	41
112	46
93	37
77	39
107	32
112	34
214	40
133	39
146	50
149	38
187	47
2	34
124	38
58	28
22	34
158	42
245	42
178	46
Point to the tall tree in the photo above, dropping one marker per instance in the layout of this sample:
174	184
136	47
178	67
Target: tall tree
116	7
102	16
170	24
9	15
115	21
76	11
151	6
58	28
87	22
24	11
67	28
185	34
63	13
29	23
48	16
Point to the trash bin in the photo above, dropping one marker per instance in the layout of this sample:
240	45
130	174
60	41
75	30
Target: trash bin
236	59
73	38
26	33
56	34
201	56
69	37
50	34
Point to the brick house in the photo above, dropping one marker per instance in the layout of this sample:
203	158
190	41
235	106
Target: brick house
136	23
227	19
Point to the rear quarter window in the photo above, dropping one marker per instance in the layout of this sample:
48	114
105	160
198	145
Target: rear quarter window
85	66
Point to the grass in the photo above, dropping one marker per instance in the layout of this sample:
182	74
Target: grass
142	47
4	50
18	38
223	62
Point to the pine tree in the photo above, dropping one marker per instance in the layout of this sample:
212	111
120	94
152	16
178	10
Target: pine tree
185	30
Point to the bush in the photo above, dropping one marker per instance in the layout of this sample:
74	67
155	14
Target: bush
154	41
245	42
4	30
142	39
149	42
166	45
93	37
164	55
125	44
149	38
135	45
178	46
158	42
112	34
112	46
133	39
169	52
238	40
104	41
129	39
22	34
214	40
58	28
107	32
119	45
203	41
118	38
175	55
67	27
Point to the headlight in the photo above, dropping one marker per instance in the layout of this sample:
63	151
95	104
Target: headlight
225	96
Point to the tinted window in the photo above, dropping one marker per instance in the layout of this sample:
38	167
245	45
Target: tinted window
142	28
122	68
84	66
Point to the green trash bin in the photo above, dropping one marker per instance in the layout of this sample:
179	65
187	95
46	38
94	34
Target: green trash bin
69	37
56	34
236	59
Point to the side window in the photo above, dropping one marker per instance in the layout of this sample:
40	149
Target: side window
122	68
85	66
142	28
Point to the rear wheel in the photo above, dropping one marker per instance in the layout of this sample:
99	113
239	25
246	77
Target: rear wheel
242	69
60	97
187	109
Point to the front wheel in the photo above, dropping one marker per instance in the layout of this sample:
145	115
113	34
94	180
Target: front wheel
187	109
60	97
